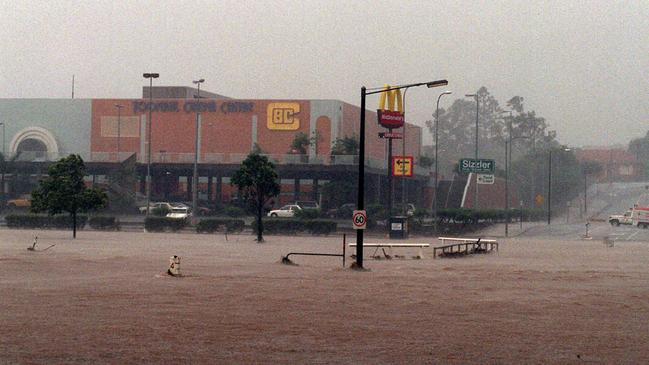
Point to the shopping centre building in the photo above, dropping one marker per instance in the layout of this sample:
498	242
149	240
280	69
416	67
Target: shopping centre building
108	132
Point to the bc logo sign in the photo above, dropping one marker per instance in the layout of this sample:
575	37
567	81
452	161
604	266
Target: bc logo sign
283	116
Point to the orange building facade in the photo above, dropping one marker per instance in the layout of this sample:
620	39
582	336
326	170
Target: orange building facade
229	130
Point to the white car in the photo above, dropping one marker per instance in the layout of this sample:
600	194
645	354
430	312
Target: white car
179	213
155	205
285	211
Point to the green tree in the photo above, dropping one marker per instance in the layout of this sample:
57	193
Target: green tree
639	147
338	192
63	190
345	146
301	142
257	182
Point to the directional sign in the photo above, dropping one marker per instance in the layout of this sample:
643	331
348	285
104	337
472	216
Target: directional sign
402	165
485	179
539	200
359	219
392	135
480	166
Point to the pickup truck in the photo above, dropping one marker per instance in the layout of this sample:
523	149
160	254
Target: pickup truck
637	216
617	219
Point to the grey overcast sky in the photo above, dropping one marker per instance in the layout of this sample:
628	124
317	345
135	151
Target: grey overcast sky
582	65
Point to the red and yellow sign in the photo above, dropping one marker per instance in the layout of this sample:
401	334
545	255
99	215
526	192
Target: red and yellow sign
392	117
402	165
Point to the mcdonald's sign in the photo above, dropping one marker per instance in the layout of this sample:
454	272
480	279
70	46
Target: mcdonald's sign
392	117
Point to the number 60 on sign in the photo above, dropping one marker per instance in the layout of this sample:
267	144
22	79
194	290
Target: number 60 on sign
359	219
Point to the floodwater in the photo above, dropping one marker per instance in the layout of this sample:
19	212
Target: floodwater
104	298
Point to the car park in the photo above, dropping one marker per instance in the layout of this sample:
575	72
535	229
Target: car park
179	212
307	204
344	211
286	211
23	201
156	205
409	209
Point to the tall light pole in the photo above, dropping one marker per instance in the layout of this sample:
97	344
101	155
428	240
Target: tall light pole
550	182
475	197
119	114
4	162
508	154
195	178
361	157
403	154
149	76
435	201
549	186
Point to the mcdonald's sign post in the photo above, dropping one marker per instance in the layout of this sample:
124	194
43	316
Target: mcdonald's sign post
392	117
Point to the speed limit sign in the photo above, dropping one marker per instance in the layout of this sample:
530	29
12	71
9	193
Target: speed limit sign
359	219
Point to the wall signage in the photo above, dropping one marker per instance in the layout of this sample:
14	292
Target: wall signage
193	107
283	116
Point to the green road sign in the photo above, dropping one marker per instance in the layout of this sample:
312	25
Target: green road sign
480	166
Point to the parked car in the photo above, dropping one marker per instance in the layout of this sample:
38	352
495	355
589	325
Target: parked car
179	212
409	209
23	201
344	211
285	211
307	204
155	205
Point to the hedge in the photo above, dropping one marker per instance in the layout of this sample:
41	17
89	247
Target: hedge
161	224
58	221
319	227
291	226
104	223
212	225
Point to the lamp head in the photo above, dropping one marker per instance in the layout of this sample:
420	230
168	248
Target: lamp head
471	95
198	81
151	75
436	83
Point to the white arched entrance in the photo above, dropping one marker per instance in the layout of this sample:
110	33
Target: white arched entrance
34	143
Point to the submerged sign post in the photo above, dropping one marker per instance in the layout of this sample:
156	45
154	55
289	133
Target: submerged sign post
479	166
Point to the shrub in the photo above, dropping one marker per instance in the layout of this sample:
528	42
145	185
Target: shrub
104	223
44	221
161	224
279	225
376	212
291	226
305	214
233	211
217	225
160	211
319	227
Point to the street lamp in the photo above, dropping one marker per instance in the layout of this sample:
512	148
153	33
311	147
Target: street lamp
119	114
565	149
149	76
403	150
475	197
435	201
361	157
195	178
4	162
